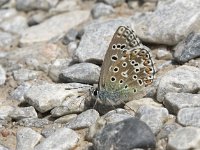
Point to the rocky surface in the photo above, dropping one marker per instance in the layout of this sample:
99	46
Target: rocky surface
51	54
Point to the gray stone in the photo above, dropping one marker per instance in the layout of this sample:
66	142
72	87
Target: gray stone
153	116
82	73
14	24
25	74
2	75
2	2
113	3
182	79
32	5
70	36
7	13
72	104
188	49
66	6
65	118
163	54
100	34
3	147
24	112
18	93
184	138
136	104
5	111
50	130
7	41
33	122
62	139
27	139
37	17
56	67
101	9
84	120
52	95
189	116
176	101
53	27
130	133
167	25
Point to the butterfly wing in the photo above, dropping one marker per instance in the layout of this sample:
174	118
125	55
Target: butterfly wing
123	39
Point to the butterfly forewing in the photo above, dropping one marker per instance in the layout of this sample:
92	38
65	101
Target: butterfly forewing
123	40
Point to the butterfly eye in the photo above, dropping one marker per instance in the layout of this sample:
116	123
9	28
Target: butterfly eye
121	30
132	62
113	79
116	69
134	77
118	45
123	46
114	57
121	81
126	86
124	64
137	70
134	90
140	82
113	46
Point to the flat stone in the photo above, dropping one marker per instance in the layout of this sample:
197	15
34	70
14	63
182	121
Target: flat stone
15	24
101	9
189	116
176	101
2	2
50	130
52	95
58	140
3	147
100	34
27	139
184	79
167	25
53	27
7	41
18	93
188	49
2	75
5	111
184	138
7	13
129	134
25	74
114	3
23	112
84	120
82	73
66	118
32	5
136	104
153	116
33	122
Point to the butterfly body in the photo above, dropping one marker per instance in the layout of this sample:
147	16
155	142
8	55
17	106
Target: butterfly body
127	69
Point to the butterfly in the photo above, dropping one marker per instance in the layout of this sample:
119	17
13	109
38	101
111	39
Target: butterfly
126	70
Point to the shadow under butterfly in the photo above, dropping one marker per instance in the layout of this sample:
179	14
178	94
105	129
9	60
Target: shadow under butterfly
126	70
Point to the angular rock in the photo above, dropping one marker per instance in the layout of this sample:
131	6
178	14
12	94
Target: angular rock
25	74
2	75
32	5
50	130
24	112
63	138
100	34
153	116
5	111
18	93
182	79
167	25
101	9
176	101
7	13
53	27
113	3
188	49
129	134
27	139
7	40
184	138
136	104
33	122
66	118
44	97
15	24
189	116
70	36
57	66
84	120
82	73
